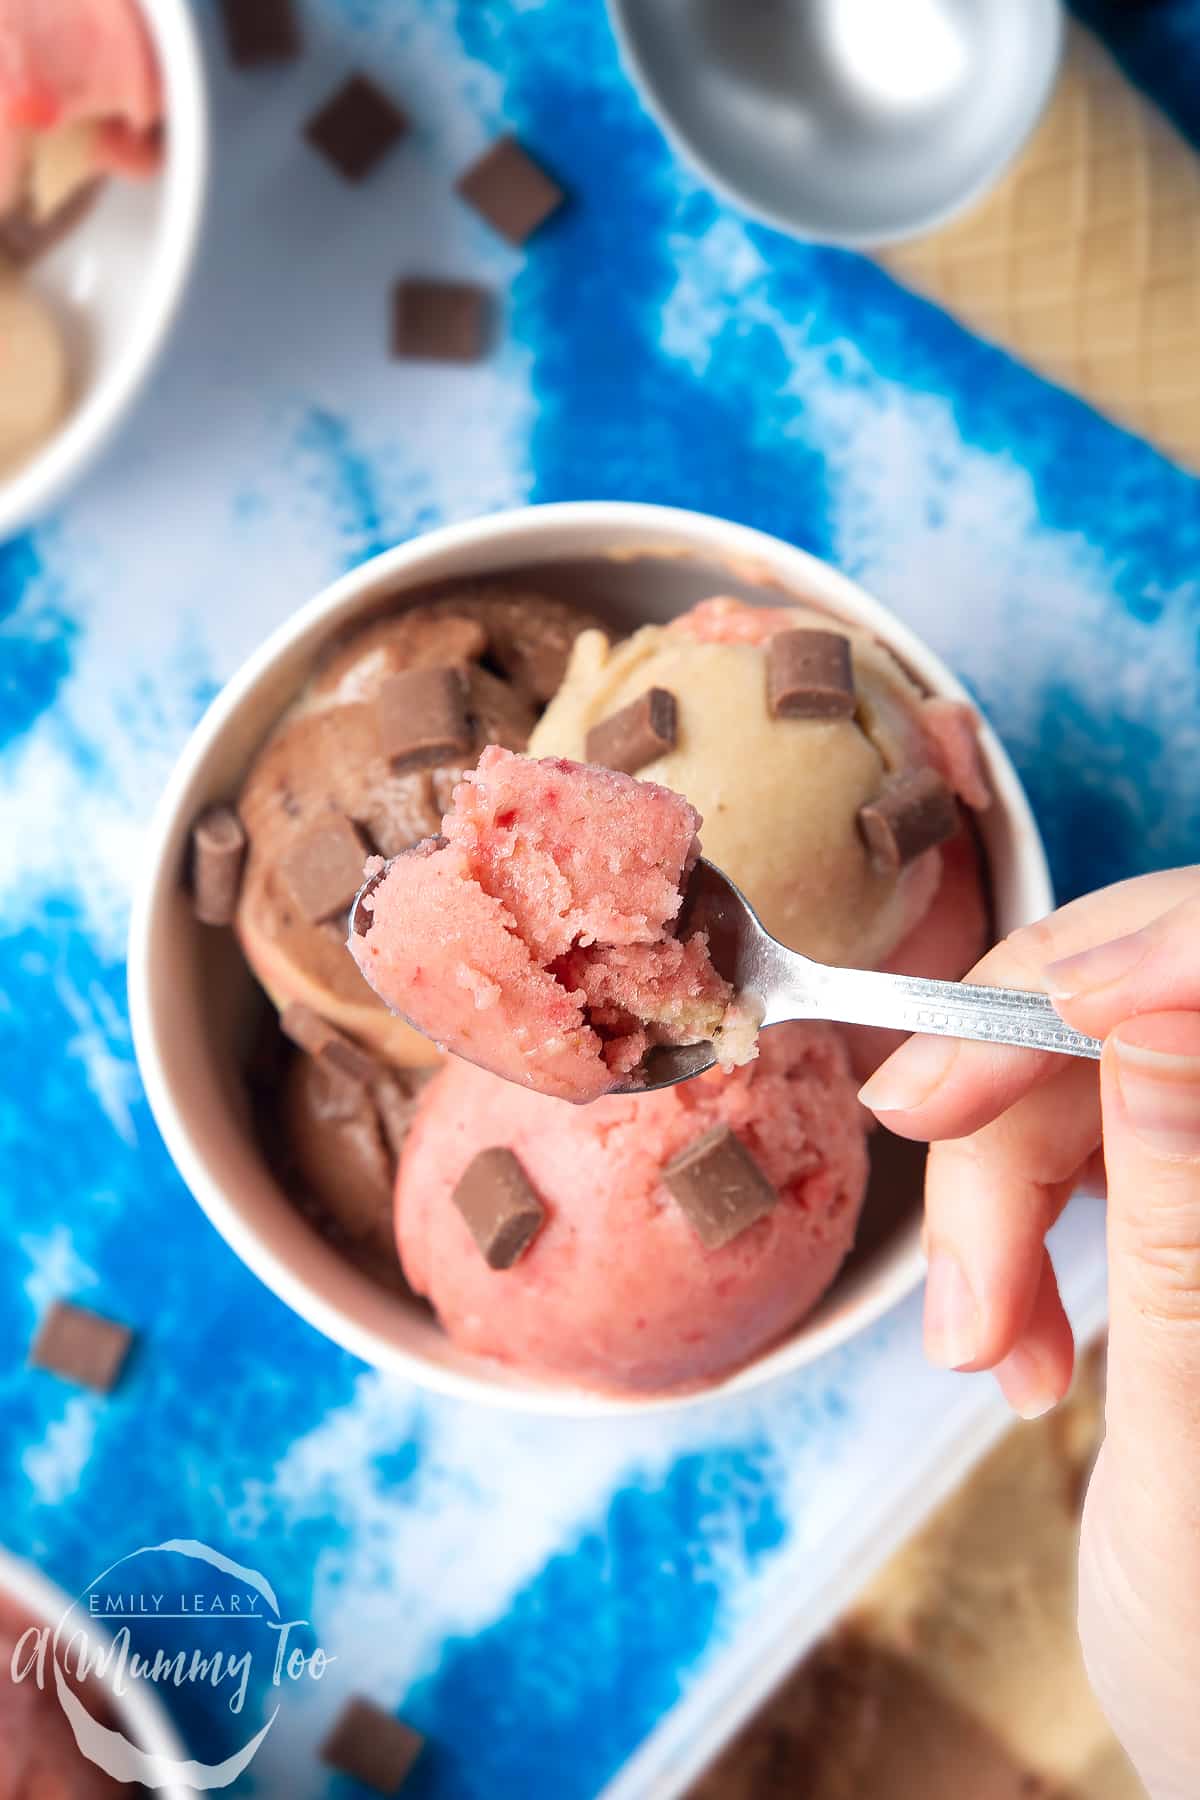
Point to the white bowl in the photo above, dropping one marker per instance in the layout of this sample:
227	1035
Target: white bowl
138	1711
118	278
190	992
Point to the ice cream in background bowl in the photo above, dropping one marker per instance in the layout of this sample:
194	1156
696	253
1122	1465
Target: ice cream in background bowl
39	1754
196	1011
102	174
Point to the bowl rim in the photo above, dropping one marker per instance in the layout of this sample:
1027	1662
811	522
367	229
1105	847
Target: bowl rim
89	426
683	144
640	529
33	1592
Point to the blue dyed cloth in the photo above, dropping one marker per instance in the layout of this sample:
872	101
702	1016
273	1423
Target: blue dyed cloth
534	1595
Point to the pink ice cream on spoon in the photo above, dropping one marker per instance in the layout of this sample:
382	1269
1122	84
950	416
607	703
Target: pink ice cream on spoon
535	937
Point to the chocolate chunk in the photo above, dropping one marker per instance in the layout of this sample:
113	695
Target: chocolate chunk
508	189
440	321
396	1098
810	675
260	31
648	727
324	871
371	1746
23	238
81	1346
534	656
423	718
502	1212
912	813
335	1144
357	127
324	1041
719	1186
218	853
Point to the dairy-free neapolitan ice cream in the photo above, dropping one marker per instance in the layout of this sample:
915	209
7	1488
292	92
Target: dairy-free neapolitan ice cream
681	1231
536	936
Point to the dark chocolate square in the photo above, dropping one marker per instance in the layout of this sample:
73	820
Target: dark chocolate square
324	870
260	31
511	191
423	718
810	675
499	1206
914	812
357	127
442	321
719	1187
639	734
81	1346
371	1746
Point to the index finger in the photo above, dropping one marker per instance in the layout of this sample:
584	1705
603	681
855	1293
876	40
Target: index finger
946	1087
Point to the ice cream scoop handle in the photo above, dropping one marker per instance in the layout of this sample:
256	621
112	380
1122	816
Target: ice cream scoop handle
936	1008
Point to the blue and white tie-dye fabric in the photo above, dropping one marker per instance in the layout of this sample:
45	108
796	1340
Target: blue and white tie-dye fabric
536	1595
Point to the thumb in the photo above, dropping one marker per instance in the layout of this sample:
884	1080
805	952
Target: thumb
1140	1560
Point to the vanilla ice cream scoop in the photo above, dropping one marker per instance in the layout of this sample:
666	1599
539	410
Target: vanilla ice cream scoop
780	795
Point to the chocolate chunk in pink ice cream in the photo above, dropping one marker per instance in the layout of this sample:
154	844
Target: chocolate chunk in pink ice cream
536	936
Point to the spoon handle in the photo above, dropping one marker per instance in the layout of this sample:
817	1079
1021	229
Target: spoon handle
942	1009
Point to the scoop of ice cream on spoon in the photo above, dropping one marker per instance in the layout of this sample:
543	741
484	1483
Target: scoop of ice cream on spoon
537	936
564	933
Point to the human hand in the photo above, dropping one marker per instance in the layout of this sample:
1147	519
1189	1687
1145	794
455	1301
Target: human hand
1015	1132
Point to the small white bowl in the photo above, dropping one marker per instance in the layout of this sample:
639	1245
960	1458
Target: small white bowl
138	1711
190	992
117	279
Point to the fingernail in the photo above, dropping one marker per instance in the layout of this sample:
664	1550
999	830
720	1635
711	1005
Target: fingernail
909	1076
951	1314
1025	1381
1095	968
1158	1072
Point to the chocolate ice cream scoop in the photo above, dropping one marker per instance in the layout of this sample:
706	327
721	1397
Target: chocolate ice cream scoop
337	782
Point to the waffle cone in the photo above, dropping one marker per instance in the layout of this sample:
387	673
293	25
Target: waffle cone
1085	261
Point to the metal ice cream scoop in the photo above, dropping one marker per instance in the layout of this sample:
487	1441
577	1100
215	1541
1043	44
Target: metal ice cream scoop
858	122
789	986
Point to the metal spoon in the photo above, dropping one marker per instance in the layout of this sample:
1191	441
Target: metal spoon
790	986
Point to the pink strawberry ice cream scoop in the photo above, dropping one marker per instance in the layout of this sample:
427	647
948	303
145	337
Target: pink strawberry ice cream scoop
535	937
69	66
662	1239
